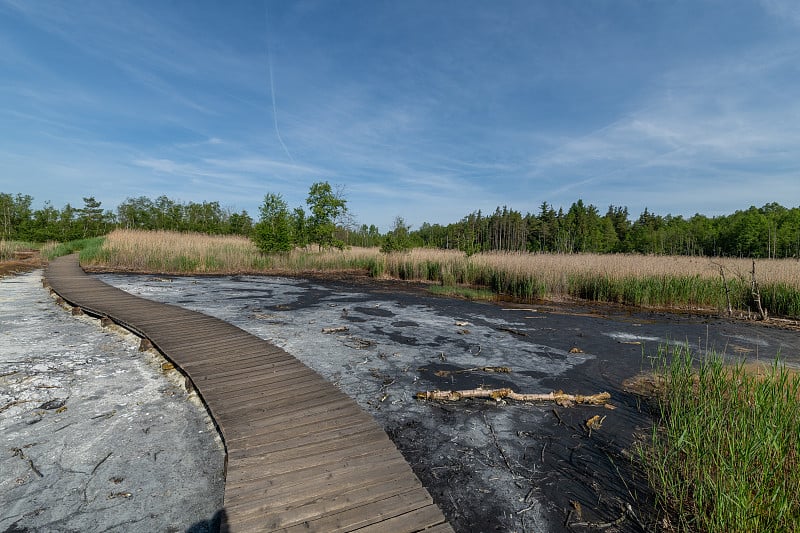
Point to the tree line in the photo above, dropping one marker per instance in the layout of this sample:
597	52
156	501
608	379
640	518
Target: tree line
771	231
19	221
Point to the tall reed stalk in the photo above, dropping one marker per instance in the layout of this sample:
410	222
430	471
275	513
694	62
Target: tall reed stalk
725	455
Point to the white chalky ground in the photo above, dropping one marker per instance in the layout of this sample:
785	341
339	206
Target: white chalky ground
93	436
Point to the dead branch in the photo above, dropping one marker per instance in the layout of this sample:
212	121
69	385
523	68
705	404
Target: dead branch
490	369
560	397
499	448
339	329
513	331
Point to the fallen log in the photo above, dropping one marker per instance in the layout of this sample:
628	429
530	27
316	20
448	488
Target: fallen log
560	397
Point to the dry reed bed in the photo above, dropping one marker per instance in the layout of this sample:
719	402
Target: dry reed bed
171	252
650	281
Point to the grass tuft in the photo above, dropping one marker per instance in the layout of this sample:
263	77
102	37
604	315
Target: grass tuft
725	455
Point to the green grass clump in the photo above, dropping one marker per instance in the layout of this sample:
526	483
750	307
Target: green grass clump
88	248
725	455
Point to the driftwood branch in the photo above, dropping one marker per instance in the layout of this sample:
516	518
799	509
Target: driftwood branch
560	397
339	329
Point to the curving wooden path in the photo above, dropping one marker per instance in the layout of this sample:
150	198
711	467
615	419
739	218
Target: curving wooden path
301	455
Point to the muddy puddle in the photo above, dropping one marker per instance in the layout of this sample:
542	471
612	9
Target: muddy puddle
491	466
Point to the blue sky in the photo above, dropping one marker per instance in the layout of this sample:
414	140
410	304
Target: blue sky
422	109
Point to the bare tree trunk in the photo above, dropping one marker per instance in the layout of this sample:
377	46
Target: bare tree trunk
757	293
727	290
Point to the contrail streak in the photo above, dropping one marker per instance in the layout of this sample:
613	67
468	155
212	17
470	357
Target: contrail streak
272	88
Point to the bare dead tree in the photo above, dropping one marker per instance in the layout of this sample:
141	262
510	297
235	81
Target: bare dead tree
756	293
725	286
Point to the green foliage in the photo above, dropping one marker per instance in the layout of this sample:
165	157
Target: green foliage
15	215
326	208
398	239
365	236
376	267
299	227
771	231
273	233
164	213
725	455
649	291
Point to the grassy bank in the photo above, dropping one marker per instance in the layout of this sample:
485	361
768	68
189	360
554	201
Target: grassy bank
725	455
646	281
88	248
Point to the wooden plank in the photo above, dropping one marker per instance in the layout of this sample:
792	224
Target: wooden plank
309	452
266	439
234	368
284	405
237	370
326	481
440	528
298	435
235	426
312	507
410	522
381	512
270	390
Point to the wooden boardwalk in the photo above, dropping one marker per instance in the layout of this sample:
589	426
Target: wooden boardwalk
301	455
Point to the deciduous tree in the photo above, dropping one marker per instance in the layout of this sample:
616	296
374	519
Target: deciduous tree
326	207
273	232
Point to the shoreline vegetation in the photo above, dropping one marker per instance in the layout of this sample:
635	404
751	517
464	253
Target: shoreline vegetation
724	452
681	283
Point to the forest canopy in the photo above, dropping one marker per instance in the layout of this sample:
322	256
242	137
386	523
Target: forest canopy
770	231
